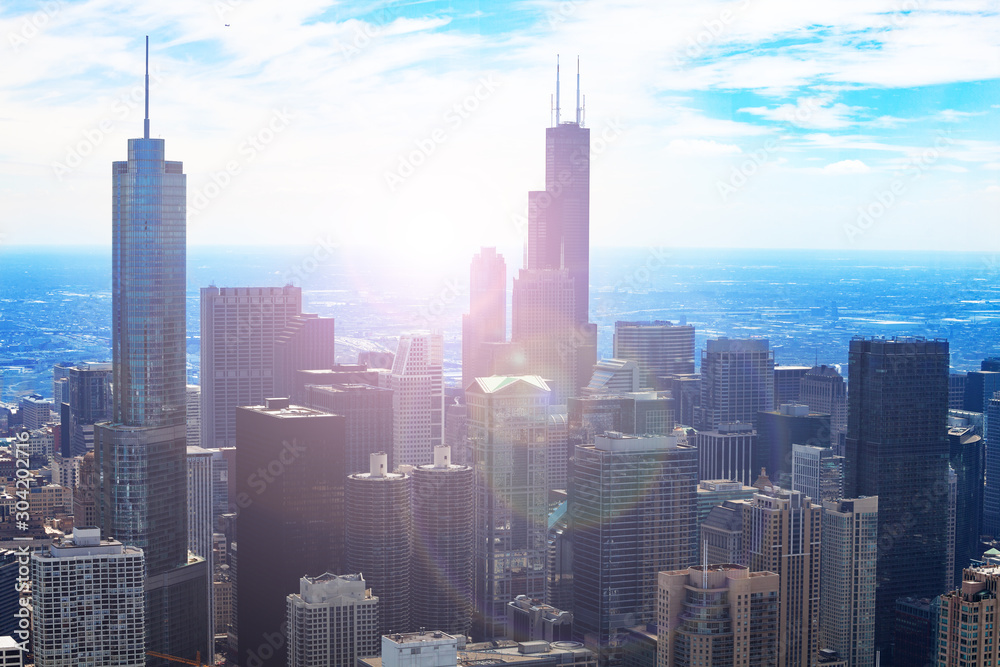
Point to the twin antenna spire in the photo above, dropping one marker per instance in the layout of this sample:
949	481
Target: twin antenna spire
145	124
579	107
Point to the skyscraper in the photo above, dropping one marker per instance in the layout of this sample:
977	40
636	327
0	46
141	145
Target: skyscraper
486	321
141	453
991	494
781	534
378	536
239	326
90	402
847	579
897	444
87	596
737	381
778	430
966	455
728	453
290	487
307	341
632	503
823	389
193	415
443	524
332	620
417	383
973	606
660	348
368	413
508	422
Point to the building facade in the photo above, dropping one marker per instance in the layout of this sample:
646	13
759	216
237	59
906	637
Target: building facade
332	621
417	384
660	348
737	381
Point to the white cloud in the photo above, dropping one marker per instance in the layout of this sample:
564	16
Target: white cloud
701	147
847	167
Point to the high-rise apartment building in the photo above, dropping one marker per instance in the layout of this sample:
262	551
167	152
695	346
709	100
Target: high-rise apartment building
508	420
332	621
660	348
141	452
781	534
486	321
443	525
897	444
239	326
379	533
817	472
719	615
417	383
967	629
737	381
290	481
847	579
87	599
632	500
824	390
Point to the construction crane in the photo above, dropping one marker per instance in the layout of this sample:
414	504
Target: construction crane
184	661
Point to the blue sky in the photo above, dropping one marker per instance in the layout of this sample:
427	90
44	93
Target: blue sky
862	124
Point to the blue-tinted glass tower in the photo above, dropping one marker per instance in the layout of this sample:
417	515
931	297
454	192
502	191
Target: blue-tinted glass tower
141	453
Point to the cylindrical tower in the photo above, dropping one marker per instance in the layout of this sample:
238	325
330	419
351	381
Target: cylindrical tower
443	545
378	539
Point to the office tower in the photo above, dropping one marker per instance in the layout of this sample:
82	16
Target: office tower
659	348
307	341
991	494
36	412
613	377
781	534
193	415
368	414
737	381
60	383
979	387
332	621
530	621
721	539
87	595
11	654
559	564
728	453
972	607
559	216
632	501
86	492
9	593
718	615
956	390
90	402
443	525
787	383
847	578
915	635
823	389
778	430
239	326
486	321
379	532
141	452
200	498
290	487
417	383
967	459
508	424
817	472
552	344
712	492
896	444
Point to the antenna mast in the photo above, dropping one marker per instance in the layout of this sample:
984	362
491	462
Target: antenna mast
578	90
146	122
557	89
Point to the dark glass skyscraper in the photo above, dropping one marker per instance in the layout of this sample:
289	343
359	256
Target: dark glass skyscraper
897	449
141	453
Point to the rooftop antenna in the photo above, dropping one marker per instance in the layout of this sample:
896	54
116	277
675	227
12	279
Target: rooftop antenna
557	89
578	90
146	122
704	564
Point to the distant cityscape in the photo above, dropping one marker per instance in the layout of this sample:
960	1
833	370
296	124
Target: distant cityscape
612	458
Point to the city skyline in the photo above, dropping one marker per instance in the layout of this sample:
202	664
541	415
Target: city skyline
760	116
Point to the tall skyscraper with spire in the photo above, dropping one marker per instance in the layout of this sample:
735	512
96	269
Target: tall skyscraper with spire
551	295
141	453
